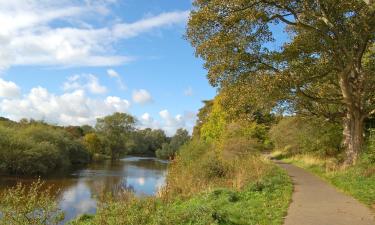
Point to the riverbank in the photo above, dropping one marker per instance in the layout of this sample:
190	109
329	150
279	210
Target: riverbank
204	188
30	148
79	191
253	191
263	202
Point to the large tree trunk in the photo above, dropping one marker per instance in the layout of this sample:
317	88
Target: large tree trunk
353	136
351	84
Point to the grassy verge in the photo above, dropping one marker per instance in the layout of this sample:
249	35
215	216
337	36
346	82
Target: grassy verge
262	202
207	183
357	181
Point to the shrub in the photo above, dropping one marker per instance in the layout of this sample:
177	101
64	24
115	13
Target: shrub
184	175
245	129
38	149
168	150
22	155
203	166
71	150
296	135
237	147
30	205
40	158
212	129
369	155
126	209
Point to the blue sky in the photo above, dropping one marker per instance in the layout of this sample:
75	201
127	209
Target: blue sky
69	62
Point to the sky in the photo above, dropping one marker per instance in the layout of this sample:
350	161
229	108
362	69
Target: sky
69	62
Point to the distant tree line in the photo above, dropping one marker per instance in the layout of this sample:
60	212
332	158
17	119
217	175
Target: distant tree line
30	147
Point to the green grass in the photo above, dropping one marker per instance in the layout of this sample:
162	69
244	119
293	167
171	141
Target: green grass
259	203
357	181
207	184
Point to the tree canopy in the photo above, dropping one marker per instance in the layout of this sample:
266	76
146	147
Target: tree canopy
169	149
116	128
325	68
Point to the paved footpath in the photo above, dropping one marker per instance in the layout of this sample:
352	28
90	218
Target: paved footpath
315	202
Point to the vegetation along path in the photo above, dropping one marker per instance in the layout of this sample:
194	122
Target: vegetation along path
315	202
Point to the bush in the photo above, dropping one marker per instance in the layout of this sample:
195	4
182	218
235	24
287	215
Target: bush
71	150
30	205
369	155
215	122
40	158
38	149
22	155
297	135
200	166
168	150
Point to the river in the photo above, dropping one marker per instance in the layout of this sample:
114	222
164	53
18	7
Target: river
77	189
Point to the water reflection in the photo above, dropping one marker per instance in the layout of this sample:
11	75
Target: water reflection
78	190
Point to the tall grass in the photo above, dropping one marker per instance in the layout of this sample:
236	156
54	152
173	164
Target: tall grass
205	187
202	166
29	205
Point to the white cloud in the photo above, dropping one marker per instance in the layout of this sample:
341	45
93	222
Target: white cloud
146	117
8	89
28	35
171	123
84	81
188	91
147	121
128	30
71	108
168	123
117	103
142	96
113	74
75	107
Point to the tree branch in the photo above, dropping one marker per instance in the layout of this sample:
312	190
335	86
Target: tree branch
318	99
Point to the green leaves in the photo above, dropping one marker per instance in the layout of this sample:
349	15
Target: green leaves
32	205
115	129
325	36
322	69
38	149
169	149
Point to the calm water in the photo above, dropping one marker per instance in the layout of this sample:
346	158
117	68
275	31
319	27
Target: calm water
144	176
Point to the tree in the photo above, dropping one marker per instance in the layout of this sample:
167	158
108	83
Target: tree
147	141
203	116
154	139
181	137
215	121
325	69
168	150
93	144
75	131
86	129
116	128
